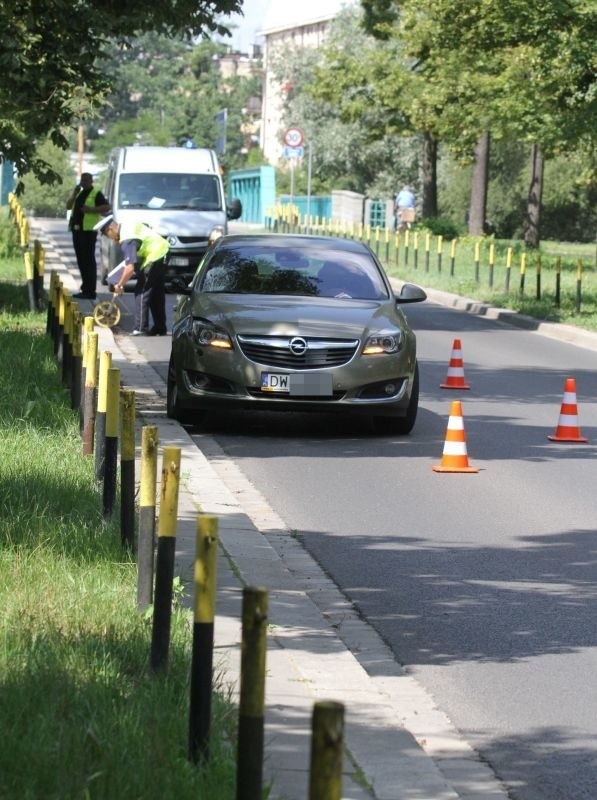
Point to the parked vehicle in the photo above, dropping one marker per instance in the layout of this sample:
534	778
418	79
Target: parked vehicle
178	191
293	323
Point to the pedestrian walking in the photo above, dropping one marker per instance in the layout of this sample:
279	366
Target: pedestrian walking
144	251
86	204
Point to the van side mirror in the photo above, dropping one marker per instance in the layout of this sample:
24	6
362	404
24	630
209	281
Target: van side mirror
411	293
234	208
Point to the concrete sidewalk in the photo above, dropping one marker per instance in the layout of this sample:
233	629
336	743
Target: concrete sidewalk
399	745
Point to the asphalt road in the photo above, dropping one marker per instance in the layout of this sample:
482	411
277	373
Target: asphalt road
484	584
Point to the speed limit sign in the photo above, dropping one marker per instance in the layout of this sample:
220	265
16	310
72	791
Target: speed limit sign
293	137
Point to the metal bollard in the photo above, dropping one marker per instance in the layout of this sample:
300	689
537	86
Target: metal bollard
327	751
249	772
89	398
88	325
127	469
164	575
67	340
111	441
100	417
206	556
147	490
76	361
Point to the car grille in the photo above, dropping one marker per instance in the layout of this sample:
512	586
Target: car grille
274	351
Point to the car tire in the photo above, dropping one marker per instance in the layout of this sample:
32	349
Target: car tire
401	426
185	416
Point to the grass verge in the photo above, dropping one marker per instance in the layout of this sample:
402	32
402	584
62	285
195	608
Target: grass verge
81	715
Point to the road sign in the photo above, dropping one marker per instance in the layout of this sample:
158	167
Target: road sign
294	152
293	137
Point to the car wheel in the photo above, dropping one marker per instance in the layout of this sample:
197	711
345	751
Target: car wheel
173	410
400	426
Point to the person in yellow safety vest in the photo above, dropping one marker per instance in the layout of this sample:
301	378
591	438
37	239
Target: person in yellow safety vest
86	204
144	251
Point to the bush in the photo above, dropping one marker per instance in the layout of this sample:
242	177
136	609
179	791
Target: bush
10	245
441	226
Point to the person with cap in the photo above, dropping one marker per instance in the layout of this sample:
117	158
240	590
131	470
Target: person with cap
86	204
144	251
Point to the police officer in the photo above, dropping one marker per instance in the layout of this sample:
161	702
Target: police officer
86	204
144	251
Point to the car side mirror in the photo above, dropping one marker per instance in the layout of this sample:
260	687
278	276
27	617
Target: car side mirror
234	208
411	293
180	286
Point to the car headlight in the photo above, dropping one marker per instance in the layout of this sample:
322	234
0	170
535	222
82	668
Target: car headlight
383	343
207	335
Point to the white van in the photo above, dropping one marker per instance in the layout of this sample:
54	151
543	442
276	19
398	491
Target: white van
178	191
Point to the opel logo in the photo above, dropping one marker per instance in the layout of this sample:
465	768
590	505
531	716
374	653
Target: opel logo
298	346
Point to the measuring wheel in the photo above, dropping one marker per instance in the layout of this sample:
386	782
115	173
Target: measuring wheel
106	313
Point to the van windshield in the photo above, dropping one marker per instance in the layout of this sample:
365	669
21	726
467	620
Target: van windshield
169	190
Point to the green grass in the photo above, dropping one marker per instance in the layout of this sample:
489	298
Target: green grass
517	287
81	714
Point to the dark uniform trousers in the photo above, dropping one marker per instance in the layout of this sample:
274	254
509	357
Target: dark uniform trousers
150	295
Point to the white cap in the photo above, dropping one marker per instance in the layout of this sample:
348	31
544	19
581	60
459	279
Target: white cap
99	226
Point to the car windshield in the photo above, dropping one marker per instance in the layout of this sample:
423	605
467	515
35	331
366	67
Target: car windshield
314	271
169	190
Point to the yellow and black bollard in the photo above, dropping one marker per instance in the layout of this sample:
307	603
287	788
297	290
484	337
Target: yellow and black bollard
327	751
66	340
89	398
558	281
452	257
508	268
87	329
51	304
30	276
39	268
111	445
147	490
127	469
100	416
249	772
164	572
206	562
76	361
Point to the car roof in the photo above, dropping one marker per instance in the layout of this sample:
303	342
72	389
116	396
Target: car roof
294	240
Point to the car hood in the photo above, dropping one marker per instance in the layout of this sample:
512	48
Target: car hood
178	222
253	315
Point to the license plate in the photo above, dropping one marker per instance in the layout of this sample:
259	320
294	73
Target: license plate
178	261
306	385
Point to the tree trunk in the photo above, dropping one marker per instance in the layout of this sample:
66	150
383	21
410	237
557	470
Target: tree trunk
533	220
429	178
477	214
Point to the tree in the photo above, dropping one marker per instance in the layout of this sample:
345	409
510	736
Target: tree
50	56
525	72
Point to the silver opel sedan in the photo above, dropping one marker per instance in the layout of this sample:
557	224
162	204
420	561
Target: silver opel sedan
294	323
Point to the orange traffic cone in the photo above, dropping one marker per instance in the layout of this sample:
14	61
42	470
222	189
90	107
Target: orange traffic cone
455	458
568	430
455	377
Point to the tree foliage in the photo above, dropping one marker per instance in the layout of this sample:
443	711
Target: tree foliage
50	57
167	90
